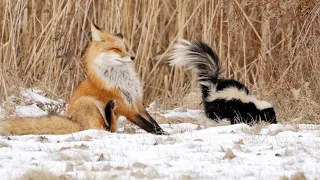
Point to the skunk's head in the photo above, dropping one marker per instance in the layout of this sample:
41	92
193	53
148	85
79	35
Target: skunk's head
265	111
268	115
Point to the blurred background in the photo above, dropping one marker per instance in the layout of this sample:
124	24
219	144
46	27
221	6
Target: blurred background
272	46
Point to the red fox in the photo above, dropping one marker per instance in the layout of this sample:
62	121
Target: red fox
111	89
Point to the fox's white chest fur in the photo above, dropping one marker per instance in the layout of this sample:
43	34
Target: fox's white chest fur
123	77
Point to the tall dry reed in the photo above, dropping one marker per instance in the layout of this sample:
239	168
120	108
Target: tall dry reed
272	46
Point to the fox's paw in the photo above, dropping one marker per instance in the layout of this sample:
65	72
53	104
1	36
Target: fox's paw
160	131
112	105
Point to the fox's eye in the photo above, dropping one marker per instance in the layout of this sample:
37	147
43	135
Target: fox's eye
115	49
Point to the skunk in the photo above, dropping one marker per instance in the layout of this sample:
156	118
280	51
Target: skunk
222	98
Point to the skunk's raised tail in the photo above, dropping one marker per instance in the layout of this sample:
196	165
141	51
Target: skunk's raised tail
222	98
197	55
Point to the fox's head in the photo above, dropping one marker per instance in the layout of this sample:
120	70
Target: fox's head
106	50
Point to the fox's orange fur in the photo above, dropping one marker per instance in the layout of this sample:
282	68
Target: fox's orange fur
111	79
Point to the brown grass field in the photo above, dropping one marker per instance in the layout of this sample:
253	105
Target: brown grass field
272	46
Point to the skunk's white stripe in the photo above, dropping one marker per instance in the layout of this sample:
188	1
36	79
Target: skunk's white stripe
261	104
234	93
228	94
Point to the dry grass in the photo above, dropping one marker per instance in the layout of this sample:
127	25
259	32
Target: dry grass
40	174
298	176
272	46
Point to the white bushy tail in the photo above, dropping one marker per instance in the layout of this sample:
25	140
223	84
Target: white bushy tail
197	55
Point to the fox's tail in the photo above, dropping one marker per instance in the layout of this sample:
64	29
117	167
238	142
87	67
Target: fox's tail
41	125
197	55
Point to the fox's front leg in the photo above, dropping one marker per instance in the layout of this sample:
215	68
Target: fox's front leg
154	122
148	125
111	118
131	113
144	113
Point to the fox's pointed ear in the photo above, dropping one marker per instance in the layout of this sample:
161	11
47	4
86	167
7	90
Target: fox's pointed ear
120	35
96	33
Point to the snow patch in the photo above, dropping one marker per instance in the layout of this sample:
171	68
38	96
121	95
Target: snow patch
193	153
35	95
29	111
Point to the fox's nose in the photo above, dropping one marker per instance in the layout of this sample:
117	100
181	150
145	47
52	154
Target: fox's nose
132	58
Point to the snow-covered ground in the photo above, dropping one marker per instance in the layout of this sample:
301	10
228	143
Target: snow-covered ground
189	152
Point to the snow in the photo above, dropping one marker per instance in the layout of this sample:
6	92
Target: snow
29	111
193	153
189	152
35	95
